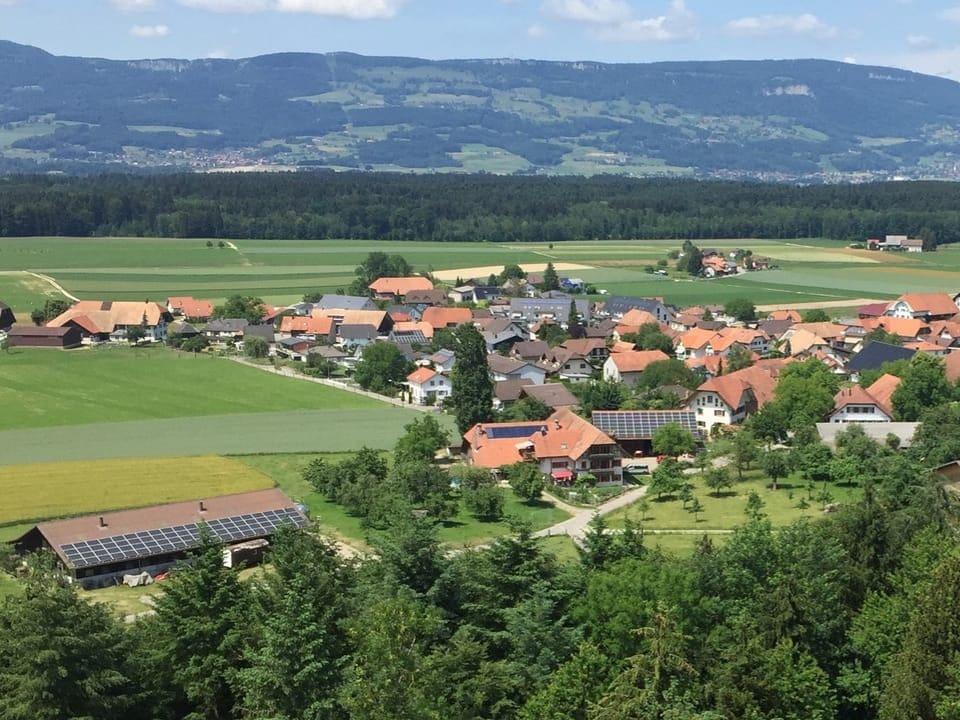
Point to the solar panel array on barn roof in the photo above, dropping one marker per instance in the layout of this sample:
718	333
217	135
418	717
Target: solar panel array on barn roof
177	538
495	432
641	424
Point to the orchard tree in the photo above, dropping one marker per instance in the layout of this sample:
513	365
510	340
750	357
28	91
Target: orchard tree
673	439
246	307
526	479
667	478
717	478
382	368
472	391
924	385
255	347
776	465
744	451
741	309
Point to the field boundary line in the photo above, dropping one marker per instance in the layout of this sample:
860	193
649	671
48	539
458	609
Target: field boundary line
287	372
56	286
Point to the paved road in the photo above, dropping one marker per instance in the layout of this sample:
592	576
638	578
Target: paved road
576	526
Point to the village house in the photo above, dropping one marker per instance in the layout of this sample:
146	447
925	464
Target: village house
320	328
501	332
564	447
343	302
924	306
225	330
426	298
530	350
295	348
567	365
446	317
533	309
594	349
730	399
872	404
896	242
428	387
617	306
554	395
628	367
190	308
505	368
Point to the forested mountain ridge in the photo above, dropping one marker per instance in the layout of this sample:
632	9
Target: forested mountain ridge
788	119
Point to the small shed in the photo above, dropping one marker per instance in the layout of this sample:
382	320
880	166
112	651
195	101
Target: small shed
68	336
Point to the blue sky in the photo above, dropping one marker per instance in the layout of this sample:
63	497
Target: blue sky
921	35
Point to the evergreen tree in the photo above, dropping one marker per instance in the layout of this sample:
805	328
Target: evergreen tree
295	668
472	391
60	655
551	281
201	625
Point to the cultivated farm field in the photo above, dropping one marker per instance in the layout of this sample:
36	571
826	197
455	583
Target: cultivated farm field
130	402
281	271
47	490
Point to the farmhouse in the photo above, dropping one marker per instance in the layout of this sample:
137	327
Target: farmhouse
29	336
100	321
395	288
564	446
896	242
97	550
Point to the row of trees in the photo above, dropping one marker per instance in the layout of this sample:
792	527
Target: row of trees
469	208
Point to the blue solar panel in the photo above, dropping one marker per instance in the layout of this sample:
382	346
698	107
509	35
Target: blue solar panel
502	433
118	548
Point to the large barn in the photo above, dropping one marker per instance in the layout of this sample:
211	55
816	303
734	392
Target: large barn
97	550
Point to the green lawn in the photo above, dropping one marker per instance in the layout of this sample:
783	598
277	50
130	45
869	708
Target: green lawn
560	546
334	520
8	585
24	292
113	384
727	511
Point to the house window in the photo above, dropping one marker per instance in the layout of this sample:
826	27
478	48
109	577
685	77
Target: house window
718	413
699	411
701	423
558	464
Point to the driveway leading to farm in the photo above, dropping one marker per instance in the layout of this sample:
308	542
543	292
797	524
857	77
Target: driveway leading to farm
576	525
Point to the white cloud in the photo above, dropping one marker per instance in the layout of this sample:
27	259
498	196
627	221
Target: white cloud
133	6
951	14
536	31
228	6
936	61
921	42
805	24
218	54
614	20
149	31
600	12
354	9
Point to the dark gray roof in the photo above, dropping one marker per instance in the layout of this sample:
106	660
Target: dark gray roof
504	365
559	308
556	395
509	390
641	424
530	349
236	325
263	331
345	302
358	332
621	304
484	292
328	351
876	354
294	341
182	328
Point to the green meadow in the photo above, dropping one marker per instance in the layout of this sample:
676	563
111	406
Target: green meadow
281	271
120	402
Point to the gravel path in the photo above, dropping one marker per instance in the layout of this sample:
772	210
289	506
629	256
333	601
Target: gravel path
577	525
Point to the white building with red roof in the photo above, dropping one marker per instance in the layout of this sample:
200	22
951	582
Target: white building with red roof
428	387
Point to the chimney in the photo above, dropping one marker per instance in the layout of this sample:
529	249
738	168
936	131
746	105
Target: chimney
103	523
203	508
480	430
556	424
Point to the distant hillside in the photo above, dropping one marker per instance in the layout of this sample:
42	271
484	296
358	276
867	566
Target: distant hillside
806	119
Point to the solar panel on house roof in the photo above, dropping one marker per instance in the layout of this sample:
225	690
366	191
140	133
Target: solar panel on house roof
515	431
641	424
118	548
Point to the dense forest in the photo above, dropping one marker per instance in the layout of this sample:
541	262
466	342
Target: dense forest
474	208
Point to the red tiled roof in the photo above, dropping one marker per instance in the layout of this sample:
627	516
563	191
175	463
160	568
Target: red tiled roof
882	391
400	286
106	315
441	317
936	303
637	360
420	375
